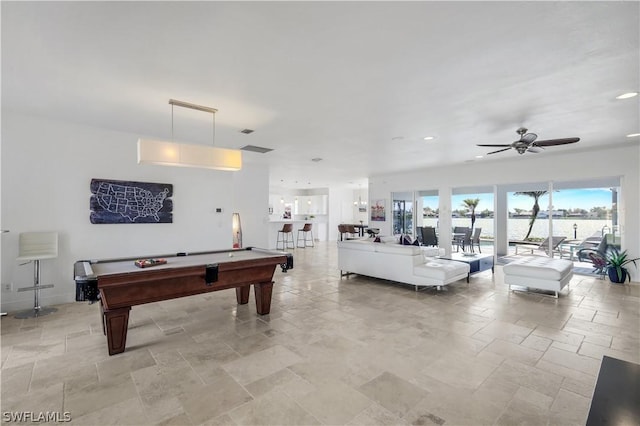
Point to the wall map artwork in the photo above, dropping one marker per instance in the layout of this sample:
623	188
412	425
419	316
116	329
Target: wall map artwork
120	201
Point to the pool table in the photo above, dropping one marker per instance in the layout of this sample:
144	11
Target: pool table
121	284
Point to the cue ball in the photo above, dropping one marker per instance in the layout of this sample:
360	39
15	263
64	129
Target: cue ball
230	254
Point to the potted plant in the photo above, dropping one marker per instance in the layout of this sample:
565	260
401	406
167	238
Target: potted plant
616	261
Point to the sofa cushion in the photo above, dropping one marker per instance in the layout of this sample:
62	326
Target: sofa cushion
398	249
441	269
539	267
431	251
362	245
388	239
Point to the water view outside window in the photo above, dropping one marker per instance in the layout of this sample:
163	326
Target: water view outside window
582	213
577	214
430	211
461	211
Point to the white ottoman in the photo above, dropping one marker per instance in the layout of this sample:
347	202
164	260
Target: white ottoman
439	272
539	272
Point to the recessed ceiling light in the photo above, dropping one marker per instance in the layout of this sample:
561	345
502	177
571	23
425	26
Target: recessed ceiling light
627	95
633	135
429	138
479	156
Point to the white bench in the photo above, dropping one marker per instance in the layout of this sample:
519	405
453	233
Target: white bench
539	272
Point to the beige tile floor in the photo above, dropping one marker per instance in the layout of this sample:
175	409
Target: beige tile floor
333	351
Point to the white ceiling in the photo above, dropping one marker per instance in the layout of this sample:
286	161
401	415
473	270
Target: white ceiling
357	84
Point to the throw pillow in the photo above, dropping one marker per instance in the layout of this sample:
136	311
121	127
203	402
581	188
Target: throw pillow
377	240
416	242
405	240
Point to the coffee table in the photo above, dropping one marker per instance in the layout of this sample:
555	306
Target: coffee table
478	262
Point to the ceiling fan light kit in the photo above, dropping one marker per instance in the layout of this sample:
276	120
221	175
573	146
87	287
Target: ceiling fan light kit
528	143
165	153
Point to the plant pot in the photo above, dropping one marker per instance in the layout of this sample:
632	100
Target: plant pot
615	278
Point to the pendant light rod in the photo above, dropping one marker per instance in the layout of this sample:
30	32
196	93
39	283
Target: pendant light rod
192	106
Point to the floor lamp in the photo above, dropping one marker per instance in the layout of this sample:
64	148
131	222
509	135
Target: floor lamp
237	230
3	231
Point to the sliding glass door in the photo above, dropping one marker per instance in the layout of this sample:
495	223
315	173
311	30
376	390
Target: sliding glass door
402	205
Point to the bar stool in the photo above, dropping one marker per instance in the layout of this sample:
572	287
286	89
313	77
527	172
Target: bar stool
34	247
287	230
306	229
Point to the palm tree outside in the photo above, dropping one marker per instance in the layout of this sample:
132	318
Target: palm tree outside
536	207
471	204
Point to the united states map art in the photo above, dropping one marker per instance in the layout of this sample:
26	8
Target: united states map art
118	201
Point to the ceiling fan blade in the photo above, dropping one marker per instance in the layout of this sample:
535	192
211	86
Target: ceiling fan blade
552	142
535	148
503	144
529	137
500	150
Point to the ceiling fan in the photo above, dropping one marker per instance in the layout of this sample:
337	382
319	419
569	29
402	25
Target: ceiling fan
528	143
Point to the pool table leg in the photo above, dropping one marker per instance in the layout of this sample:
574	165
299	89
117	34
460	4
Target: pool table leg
117	322
242	294
104	330
263	297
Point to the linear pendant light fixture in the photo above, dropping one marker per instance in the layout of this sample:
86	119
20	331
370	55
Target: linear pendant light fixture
166	153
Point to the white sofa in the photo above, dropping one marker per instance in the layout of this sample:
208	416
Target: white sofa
539	272
395	262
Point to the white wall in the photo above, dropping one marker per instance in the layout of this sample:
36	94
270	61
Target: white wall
340	209
47	167
620	162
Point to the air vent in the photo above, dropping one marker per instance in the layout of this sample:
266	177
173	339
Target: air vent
315	160
247	131
254	148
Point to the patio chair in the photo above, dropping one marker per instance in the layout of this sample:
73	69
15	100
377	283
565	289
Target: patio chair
591	241
459	236
429	237
600	252
466	240
475	239
543	246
